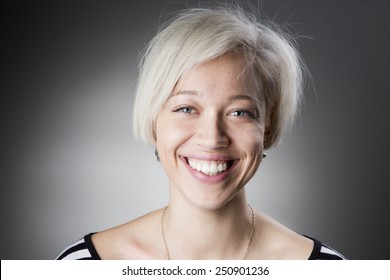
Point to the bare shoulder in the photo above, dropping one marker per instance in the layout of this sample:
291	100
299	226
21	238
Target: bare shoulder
275	241
137	239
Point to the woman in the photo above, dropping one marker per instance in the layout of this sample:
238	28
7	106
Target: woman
216	89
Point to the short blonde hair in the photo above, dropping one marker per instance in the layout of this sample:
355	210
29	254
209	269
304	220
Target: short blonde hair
199	35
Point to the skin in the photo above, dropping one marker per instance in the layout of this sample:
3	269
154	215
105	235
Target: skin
206	119
216	114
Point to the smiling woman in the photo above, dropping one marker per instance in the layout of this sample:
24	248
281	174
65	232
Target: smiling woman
215	118
216	88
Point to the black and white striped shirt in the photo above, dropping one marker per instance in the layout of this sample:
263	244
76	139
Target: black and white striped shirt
83	249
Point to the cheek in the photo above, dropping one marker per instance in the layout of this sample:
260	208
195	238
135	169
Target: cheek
250	141
170	135
253	149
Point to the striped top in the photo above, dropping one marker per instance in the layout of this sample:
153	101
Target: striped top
83	249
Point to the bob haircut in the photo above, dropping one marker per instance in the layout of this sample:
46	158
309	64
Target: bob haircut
198	35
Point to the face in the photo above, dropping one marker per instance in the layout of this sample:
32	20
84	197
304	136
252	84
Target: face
210	132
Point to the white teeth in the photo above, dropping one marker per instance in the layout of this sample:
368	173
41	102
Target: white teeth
213	168
208	168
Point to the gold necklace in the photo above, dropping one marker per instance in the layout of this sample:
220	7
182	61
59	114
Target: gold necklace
168	257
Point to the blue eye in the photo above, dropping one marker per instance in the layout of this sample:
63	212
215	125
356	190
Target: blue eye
244	113
184	109
239	113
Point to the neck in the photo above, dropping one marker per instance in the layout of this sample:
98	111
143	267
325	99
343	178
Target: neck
194	232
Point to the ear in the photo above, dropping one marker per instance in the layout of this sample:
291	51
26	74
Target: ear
154	132
267	137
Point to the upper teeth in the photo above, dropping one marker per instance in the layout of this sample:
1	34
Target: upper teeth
208	168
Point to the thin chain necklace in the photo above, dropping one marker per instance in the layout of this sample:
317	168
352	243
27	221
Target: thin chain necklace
168	257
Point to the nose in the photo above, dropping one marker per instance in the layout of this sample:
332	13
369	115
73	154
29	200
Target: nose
212	134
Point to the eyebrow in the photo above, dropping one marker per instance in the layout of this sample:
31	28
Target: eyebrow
244	97
232	98
184	92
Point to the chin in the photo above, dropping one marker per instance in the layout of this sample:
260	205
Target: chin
213	201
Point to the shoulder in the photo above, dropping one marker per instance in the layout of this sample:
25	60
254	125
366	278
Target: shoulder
82	249
275	241
135	240
322	251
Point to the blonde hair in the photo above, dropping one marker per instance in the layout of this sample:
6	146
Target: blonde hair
199	35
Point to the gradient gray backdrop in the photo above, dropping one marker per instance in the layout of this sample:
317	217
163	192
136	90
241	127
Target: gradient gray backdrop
70	165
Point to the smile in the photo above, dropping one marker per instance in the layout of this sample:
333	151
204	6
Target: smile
210	168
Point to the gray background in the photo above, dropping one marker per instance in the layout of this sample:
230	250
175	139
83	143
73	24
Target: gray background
69	163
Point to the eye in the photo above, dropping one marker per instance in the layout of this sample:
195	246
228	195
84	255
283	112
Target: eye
184	109
241	113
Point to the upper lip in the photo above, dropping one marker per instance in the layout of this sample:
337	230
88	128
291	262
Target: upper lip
209	157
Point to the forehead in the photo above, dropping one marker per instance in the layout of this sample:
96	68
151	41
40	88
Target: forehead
223	74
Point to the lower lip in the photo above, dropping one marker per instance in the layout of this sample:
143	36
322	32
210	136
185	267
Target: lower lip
206	178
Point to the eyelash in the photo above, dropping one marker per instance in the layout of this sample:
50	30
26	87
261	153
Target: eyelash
189	110
181	108
250	114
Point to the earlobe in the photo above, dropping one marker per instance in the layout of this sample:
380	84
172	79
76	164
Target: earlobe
157	155
266	137
154	134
